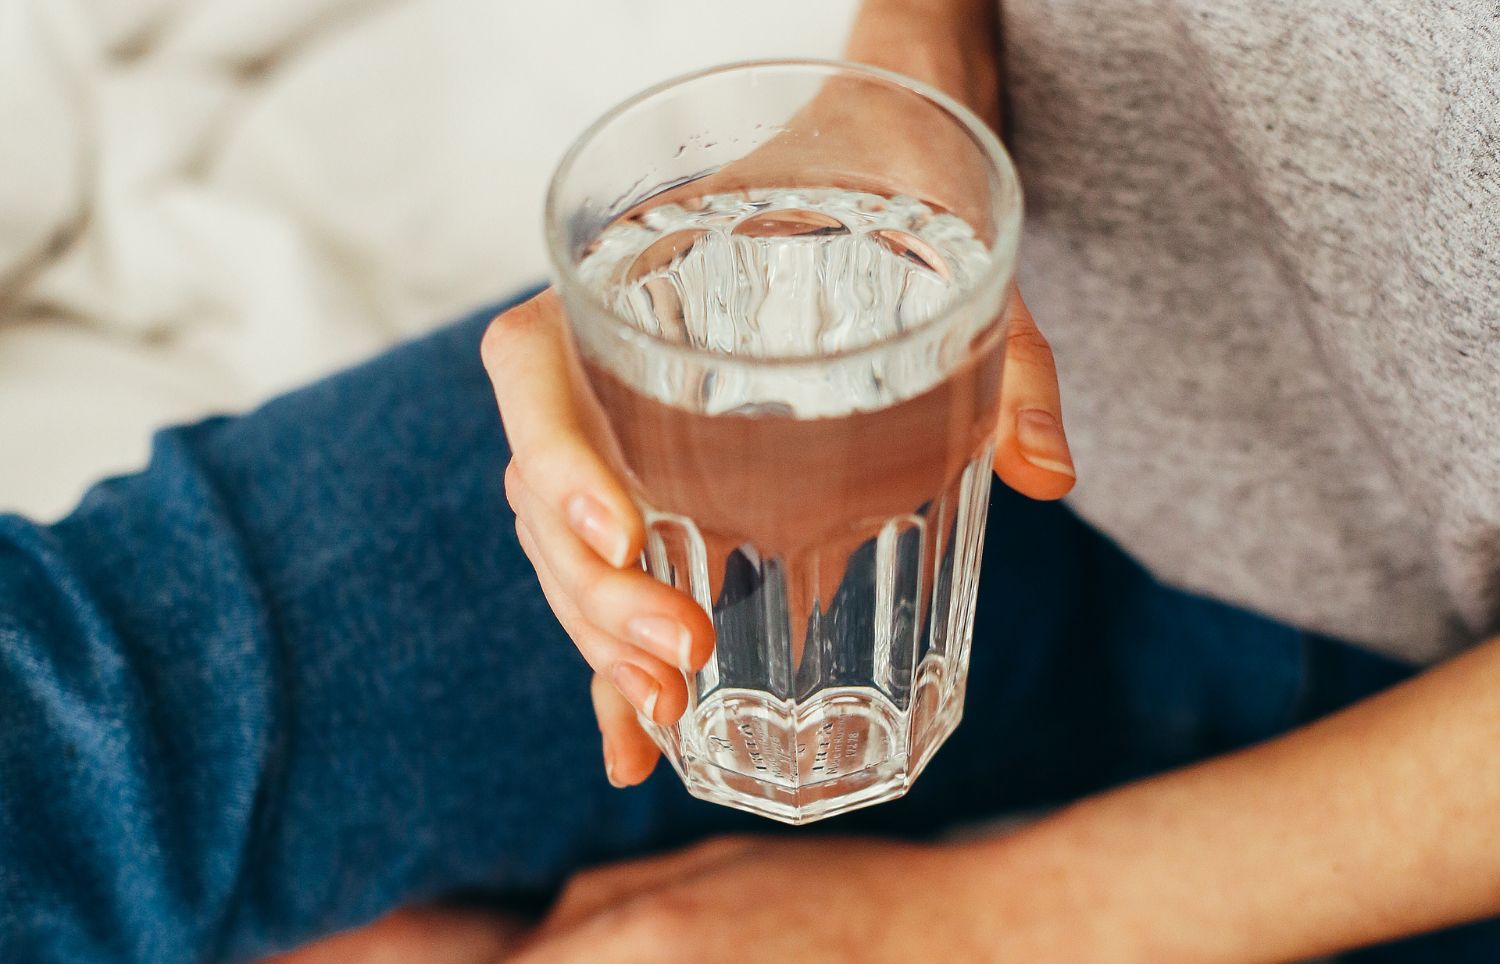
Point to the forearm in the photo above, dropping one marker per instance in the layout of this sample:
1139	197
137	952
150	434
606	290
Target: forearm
951	44
1378	822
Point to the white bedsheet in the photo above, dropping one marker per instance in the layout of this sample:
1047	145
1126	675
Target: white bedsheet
205	202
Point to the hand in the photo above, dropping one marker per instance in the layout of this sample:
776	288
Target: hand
432	935
582	533
950	44
749	899
574	517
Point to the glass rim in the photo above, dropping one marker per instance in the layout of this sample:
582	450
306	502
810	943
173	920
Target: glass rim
1002	250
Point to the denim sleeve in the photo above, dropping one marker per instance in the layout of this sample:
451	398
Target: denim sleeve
249	695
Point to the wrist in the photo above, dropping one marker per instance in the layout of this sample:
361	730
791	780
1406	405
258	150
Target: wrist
932	11
1031	886
950	44
1122	876
1071	887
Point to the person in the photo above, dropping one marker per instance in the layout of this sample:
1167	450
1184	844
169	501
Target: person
297	673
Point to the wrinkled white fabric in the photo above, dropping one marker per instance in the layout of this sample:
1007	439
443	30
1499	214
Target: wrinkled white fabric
204	202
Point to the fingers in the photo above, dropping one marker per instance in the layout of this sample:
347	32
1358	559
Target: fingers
593	891
653	688
629	754
434	935
526	354
577	525
626	605
1031	450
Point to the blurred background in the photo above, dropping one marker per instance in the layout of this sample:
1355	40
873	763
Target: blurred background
206	202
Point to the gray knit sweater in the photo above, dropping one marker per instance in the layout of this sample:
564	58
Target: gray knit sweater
1264	238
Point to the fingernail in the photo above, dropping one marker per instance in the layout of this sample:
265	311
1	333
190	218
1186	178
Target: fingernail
609	767
665	637
594	525
637	686
1042	443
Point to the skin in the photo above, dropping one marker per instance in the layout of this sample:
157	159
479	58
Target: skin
428	934
814	900
1375	823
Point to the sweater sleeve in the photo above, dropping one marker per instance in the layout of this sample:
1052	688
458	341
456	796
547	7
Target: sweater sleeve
248	695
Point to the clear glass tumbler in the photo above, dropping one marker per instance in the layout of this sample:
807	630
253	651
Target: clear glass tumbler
785	284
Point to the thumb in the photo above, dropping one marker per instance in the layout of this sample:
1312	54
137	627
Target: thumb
1031	450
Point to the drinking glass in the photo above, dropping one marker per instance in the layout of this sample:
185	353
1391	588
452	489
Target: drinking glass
785	284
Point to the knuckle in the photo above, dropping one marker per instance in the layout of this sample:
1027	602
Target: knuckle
577	891
599	693
549	459
662	921
1028	342
557	463
593	587
513	483
610	596
726	843
563	458
506	330
586	644
553	467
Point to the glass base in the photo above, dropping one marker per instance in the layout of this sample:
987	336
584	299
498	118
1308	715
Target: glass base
820	789
838	670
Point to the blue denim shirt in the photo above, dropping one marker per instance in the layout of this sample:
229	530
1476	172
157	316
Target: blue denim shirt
227	684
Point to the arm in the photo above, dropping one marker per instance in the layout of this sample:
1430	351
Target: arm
249	695
1378	822
950	44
